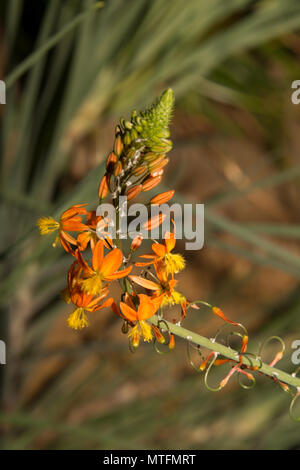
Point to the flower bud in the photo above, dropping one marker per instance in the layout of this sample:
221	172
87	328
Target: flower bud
151	182
158	164
136	243
118	168
127	125
172	342
151	156
118	145
158	335
130	153
135	340
159	172
134	135
111	159
154	222
127	139
103	187
125	328
139	170
133	191
164	146
162	198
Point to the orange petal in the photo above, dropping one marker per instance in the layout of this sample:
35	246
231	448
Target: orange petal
159	249
92	219
66	246
93	303
129	301
68	238
169	241
128	312
116	310
107	303
83	263
98	256
74	225
161	273
148	306
83	240
111	262
144	282
119	274
74	210
141	265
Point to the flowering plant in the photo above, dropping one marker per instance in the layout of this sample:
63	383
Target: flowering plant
135	165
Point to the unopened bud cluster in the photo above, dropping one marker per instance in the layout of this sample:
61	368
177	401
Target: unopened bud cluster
136	163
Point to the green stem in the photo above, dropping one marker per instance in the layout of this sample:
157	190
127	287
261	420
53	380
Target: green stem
230	353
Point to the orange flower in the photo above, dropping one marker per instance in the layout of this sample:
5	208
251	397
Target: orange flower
90	236
173	263
70	221
163	289
104	268
147	307
84	302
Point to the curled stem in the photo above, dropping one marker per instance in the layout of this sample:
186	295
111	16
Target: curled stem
230	353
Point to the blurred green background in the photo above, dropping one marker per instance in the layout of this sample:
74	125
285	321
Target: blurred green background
71	71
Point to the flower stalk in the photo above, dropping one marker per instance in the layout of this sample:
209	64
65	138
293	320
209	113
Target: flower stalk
230	353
